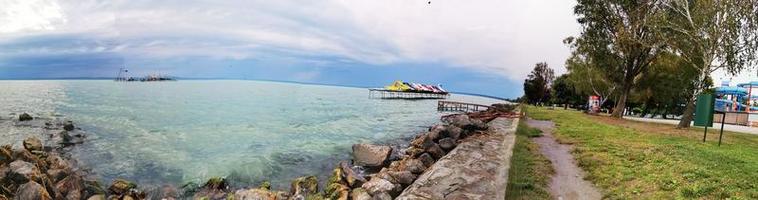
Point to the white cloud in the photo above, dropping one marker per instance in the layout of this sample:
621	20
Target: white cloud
29	15
500	37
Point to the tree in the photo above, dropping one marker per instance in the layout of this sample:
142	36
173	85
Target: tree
537	84
710	35
619	36
564	92
665	87
586	76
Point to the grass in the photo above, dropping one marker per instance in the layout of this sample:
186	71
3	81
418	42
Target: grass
530	171
637	160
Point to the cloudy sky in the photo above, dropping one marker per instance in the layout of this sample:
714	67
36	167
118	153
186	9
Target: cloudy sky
485	46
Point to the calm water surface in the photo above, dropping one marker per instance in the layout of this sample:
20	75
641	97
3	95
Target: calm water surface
176	132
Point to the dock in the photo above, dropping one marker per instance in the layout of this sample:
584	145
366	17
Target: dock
460	106
376	93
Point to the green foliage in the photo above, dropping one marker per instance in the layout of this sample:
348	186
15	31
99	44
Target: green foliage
530	171
710	35
564	91
635	160
537	85
619	40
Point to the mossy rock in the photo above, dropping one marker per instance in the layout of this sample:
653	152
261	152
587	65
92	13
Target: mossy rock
337	191
265	185
121	186
218	183
304	186
337	176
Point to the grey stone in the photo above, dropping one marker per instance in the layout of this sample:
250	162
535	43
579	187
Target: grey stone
435	151
378	185
22	172
426	159
359	194
33	144
369	155
25	117
32	190
447	144
414	166
403	177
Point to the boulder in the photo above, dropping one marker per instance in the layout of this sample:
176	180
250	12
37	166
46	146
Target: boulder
97	197
25	117
414	166
22	172
403	177
25	155
33	144
254	194
359	194
68	126
369	155
92	188
304	186
382	196
459	120
414	152
437	128
426	159
6	154
214	188
435	151
168	192
377	185
452	132
56	162
447	144
121	187
434	135
56	174
265	185
477	124
32	190
336	191
71	187
353	179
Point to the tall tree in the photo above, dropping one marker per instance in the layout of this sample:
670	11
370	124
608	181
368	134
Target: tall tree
619	36
711	35
537	84
564	92
587	77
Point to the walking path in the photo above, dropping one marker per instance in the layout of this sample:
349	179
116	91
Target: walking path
567	182
727	127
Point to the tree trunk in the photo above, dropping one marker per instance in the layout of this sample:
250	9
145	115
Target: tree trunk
689	110
618	110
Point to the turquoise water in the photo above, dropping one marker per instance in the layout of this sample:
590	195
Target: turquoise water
177	132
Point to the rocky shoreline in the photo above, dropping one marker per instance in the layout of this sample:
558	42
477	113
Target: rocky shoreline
46	172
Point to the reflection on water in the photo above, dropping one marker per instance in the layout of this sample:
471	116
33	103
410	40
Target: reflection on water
175	132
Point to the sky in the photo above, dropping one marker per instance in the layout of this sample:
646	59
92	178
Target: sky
486	46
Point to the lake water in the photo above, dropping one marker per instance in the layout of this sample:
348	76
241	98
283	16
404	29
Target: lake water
249	131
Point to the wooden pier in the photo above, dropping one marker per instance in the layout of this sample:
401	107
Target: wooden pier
390	94
460	106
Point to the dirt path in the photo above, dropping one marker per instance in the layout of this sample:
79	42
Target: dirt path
568	182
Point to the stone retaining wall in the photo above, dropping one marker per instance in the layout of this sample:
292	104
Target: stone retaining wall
476	169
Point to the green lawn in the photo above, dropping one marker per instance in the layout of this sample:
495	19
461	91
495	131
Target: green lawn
636	160
530	171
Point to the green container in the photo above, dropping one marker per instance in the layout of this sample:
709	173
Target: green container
704	110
